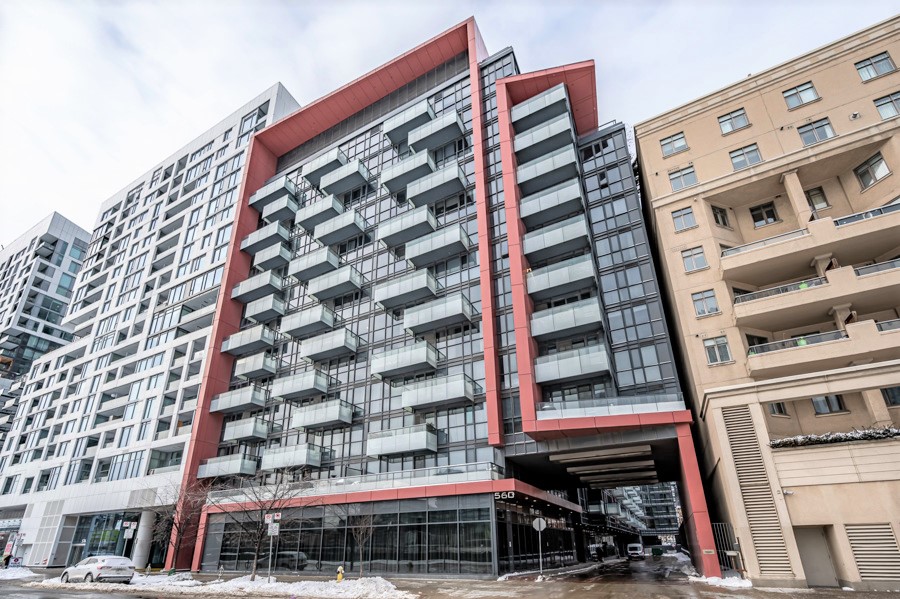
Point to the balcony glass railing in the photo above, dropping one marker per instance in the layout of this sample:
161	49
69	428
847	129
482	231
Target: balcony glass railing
796	342
889	325
764	242
806	284
855	218
877	267
618	405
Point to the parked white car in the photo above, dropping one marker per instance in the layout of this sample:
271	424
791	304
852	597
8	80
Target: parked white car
635	551
100	568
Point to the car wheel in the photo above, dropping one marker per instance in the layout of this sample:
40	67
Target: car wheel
64	578
89	577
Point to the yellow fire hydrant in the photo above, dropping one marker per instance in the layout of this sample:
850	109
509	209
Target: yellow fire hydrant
340	573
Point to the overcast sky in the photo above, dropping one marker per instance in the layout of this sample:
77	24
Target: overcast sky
93	94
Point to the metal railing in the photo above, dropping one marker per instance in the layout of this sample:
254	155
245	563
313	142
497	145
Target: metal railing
796	342
889	325
855	218
406	430
877	267
790	287
604	406
764	242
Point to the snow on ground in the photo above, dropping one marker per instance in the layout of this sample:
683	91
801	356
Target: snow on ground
16	573
679	556
364	588
729	583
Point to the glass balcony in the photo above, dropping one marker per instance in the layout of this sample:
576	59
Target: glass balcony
250	429
308	322
548	170
437	133
264	309
314	264
397	127
780	290
321	165
563	321
272	257
558	239
440	245
301	385
249	341
406	227
256	287
227	465
436	186
800	341
281	210
336	283
294	456
329	345
239	400
764	242
406	289
396	177
318	212
544	138
342	227
280	188
266	236
610	406
571	365
877	267
401	361
410	439
875	212
562	278
540	108
444	391
345	178
437	314
255	366
327	414
551	204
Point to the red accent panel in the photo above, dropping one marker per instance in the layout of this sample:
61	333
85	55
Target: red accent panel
693	500
581	81
198	548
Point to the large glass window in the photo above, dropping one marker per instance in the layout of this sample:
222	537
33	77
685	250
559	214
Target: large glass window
694	259
875	66
802	94
871	171
720	216
888	106
682	178
673	144
684	219
828	404
815	132
816	199
717	350
744	157
705	303
891	396
764	214
733	121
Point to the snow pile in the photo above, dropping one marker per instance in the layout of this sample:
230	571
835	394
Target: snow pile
679	556
866	434
16	573
728	583
363	588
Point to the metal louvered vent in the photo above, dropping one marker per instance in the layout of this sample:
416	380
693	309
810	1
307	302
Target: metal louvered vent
875	551
759	504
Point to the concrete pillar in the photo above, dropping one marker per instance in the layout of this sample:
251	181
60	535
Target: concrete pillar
821	264
795	194
841	313
143	539
876	407
696	515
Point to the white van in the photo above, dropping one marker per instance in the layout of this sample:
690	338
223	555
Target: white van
634	551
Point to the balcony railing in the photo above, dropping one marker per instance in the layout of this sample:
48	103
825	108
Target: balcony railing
877	267
888	325
764	242
854	218
409	439
796	342
608	406
790	287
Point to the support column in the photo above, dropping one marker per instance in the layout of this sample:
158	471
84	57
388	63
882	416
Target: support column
143	539
795	194
876	407
842	314
696	514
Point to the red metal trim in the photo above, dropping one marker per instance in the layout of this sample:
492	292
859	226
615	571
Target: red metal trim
694	509
580	79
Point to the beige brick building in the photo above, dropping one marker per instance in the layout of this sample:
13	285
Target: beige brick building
774	204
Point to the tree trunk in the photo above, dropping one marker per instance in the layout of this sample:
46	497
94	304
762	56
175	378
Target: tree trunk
360	559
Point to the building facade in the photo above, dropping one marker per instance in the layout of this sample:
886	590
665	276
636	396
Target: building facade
777	223
96	440
439	311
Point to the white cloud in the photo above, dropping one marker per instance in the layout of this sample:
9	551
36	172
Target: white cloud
94	94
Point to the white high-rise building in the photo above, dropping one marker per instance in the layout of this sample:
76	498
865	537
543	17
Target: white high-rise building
102	423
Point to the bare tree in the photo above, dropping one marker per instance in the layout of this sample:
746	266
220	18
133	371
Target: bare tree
362	527
257	497
177	507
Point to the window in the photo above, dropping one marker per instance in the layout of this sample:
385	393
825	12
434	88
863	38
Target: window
684	219
800	95
778	409
888	106
745	157
693	259
891	396
764	214
733	121
875	66
682	178
828	404
673	144
816	198
717	350
705	303
815	132
720	215
871	171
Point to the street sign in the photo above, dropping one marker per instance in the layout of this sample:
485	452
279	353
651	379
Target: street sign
276	516
268	518
273	517
273	529
129	533
539	524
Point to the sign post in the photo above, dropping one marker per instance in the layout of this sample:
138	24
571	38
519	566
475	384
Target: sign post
272	520
539	525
